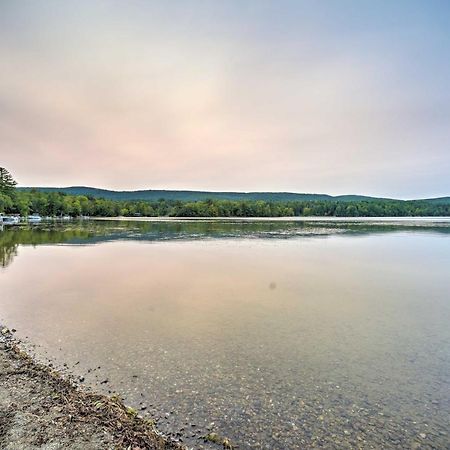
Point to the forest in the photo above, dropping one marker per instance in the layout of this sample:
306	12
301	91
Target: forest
56	204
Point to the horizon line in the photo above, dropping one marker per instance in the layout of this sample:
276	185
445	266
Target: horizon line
232	192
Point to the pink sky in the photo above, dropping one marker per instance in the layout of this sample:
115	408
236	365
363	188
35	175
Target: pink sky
334	97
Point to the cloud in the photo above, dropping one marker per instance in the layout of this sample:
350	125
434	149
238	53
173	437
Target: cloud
224	97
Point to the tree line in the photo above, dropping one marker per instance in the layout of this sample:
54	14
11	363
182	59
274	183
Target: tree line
56	204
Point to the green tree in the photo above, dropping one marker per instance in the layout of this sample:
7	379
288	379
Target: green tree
7	182
22	205
6	203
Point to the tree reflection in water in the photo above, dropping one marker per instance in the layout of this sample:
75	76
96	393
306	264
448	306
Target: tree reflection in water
97	231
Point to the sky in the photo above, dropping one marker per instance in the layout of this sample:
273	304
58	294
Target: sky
337	97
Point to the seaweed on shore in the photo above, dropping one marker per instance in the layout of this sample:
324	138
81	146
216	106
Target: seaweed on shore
79	407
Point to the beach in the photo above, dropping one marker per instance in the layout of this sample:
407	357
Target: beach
41	408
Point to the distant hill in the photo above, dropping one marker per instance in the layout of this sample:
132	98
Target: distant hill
155	195
53	201
438	201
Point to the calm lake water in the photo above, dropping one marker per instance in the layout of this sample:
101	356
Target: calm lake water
277	335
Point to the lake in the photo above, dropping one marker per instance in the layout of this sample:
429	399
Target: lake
276	334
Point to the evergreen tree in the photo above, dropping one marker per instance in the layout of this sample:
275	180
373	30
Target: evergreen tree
7	182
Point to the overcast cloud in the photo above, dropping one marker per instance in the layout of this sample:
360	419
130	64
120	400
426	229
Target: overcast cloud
305	96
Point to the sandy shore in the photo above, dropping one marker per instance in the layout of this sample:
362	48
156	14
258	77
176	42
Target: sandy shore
41	409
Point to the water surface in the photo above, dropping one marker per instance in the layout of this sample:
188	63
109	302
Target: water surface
278	335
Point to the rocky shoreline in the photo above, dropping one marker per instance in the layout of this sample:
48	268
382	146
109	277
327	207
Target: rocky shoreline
41	409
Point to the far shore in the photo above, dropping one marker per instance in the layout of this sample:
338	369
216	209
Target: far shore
402	219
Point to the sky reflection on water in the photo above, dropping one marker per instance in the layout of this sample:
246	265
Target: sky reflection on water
341	340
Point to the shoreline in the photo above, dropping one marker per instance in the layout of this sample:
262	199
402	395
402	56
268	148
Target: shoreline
331	219
41	408
367	220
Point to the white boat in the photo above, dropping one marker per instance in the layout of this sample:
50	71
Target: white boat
10	220
34	218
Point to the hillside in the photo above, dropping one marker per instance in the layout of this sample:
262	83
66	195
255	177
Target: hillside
154	195
76	201
438	201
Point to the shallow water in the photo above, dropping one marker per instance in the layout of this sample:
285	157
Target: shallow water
276	335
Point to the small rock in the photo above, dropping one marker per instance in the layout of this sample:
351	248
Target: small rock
212	437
